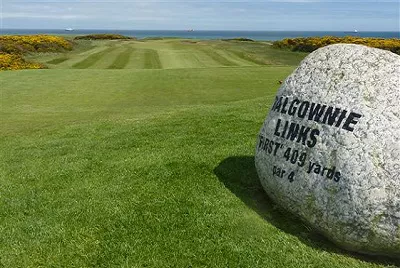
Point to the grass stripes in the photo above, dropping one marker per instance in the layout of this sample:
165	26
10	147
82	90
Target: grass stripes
246	57
170	54
92	59
57	60
152	59
122	60
213	54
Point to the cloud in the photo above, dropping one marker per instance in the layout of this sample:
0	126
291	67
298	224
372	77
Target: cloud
204	14
24	15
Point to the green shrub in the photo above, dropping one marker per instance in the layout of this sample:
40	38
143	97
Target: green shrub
103	37
241	39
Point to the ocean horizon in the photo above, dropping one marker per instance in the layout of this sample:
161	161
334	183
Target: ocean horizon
204	34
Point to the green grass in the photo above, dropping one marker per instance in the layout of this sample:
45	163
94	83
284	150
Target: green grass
218	58
146	167
92	59
167	54
152	60
57	60
122	59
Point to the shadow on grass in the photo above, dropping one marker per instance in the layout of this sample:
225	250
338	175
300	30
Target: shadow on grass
239	175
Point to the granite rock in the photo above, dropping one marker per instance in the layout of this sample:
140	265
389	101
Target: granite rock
329	149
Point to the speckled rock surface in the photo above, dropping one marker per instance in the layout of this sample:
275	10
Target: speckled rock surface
329	150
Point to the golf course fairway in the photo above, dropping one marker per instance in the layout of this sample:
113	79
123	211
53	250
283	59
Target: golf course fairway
140	154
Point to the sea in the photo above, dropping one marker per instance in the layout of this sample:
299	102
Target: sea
255	35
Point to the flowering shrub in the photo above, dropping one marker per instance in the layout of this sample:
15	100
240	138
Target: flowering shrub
12	48
102	37
33	43
16	62
310	44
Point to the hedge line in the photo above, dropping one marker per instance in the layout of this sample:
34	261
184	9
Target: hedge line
103	37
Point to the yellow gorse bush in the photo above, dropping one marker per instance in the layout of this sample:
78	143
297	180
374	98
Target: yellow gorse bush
12	48
16	62
310	44
33	43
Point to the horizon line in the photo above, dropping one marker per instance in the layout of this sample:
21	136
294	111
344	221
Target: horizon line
216	30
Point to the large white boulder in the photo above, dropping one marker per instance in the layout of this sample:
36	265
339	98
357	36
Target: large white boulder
329	150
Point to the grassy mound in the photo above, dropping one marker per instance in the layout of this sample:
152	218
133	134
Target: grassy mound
103	37
310	44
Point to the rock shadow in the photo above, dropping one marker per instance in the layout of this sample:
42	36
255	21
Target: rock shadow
239	175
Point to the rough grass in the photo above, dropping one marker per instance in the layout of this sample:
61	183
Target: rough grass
145	168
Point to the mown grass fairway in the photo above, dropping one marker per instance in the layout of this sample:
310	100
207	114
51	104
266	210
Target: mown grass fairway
168	54
140	154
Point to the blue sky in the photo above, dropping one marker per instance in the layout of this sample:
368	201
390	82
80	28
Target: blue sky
370	15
